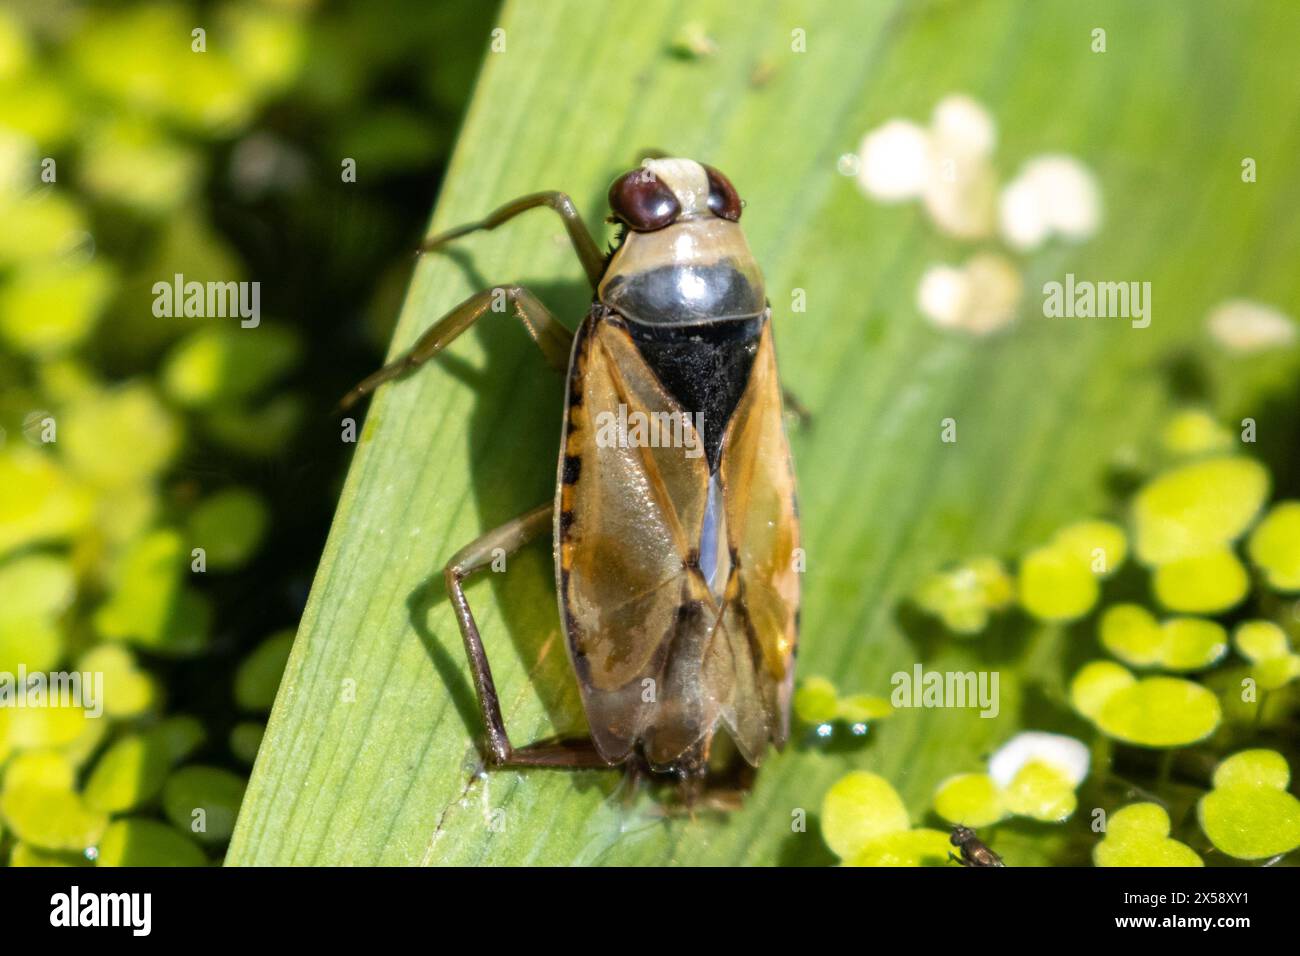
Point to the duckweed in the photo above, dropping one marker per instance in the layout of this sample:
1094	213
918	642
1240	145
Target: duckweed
1267	646
1274	546
816	701
114	416
972	799
865	823
1195	508
1249	814
964	596
1138	835
229	526
136	841
1160	712
1056	584
1041	791
1204	584
1193	432
204	800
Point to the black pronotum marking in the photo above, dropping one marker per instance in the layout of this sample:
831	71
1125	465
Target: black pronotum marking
705	366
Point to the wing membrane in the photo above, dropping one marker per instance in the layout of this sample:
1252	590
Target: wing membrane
629	514
660	660
760	618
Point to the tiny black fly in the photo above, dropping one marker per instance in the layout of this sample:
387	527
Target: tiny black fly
973	850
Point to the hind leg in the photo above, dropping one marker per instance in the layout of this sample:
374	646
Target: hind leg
509	538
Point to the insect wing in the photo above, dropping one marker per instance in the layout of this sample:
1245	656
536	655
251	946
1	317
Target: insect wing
761	614
637	620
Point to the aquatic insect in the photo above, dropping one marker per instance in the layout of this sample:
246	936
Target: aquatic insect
675	528
973	850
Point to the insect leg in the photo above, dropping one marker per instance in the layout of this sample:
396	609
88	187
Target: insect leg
551	337
797	408
510	537
593	263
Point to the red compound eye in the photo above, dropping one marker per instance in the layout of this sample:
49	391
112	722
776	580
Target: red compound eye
643	201
724	201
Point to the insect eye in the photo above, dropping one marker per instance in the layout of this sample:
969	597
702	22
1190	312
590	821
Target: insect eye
643	201
724	202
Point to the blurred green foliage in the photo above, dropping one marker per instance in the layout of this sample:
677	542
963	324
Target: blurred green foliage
166	486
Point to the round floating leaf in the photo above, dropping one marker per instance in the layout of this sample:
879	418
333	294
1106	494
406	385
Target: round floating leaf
205	93
40	768
1202	584
1192	643
1274	546
963	596
245	740
858	809
225	364
1196	508
1250	822
1192	432
1254	768
862	709
259	674
996	589
1260	640
1138	835
1131	633
128	691
181	735
136	842
1276	672
49	308
1139	820
921	847
53	818
149	605
114	152
26	855
87	742
131	772
972	799
45	725
1056	585
35	643
1100	545
101	427
36	585
127	513
1160	712
42	502
1041	791
268	44
815	700
1095	684
204	800
229	526
263	429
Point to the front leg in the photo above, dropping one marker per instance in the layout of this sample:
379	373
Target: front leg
551	337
